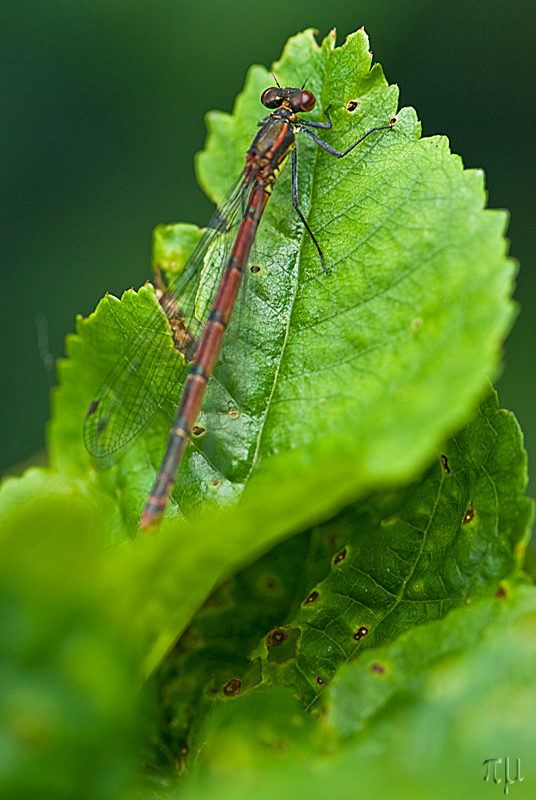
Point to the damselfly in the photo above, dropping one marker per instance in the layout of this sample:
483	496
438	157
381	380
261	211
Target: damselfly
131	395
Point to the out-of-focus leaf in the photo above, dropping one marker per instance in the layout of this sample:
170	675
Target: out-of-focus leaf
68	674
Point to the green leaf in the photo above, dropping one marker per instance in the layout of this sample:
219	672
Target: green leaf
381	567
360	373
432	722
364	687
413	555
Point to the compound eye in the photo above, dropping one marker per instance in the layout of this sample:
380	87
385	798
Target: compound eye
308	101
271	97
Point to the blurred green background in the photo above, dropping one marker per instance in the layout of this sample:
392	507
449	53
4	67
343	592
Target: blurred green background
103	106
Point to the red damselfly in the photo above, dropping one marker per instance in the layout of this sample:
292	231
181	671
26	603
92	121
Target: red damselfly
131	395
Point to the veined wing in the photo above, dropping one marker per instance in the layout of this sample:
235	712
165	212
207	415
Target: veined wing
158	356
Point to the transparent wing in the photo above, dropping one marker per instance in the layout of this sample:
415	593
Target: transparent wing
158	357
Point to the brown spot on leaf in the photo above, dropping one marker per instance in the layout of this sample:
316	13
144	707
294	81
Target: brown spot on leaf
311	598
320	680
469	515
445	464
339	557
232	687
377	668
360	633
276	637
